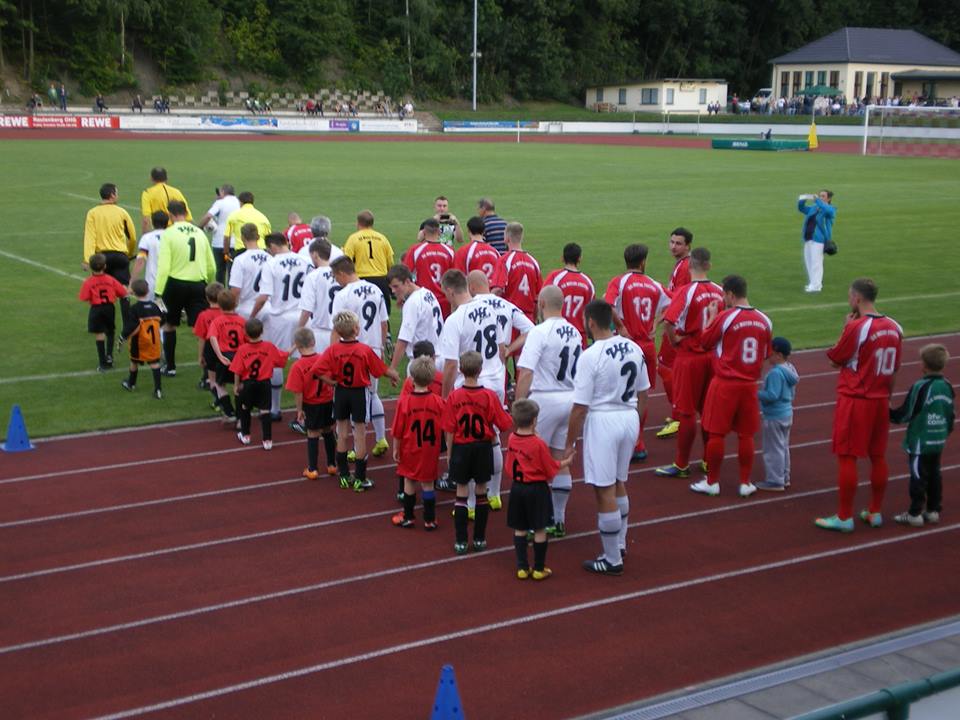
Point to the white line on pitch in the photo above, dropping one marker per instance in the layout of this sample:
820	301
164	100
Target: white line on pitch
77	373
339	582
883	301
517	621
48	268
97	200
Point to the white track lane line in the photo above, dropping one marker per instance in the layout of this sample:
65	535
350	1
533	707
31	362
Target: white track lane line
518	621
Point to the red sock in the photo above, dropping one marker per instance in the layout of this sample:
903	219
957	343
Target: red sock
878	481
713	453
847	484
640	447
745	456
685	437
666	374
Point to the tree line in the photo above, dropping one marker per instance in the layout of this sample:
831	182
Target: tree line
529	49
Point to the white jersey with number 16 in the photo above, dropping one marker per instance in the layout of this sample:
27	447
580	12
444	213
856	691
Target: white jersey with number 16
282	279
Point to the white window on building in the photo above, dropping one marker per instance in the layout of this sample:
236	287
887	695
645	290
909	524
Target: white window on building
622	96
649	96
703	96
669	96
600	94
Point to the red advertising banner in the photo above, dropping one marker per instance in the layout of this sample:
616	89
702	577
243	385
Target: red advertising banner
99	122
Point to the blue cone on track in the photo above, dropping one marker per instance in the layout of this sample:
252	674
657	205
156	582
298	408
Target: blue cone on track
17	439
446	705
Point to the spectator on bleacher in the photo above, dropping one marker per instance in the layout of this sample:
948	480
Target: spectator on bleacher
101	105
137	105
34	103
52	94
62	96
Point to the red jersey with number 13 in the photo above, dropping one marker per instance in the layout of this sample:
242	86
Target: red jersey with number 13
868	353
740	338
578	290
519	275
637	298
429	261
687	312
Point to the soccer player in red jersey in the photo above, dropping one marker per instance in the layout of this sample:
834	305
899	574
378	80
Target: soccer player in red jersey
429	260
349	365
638	301
740	338
226	334
868	355
416	434
576	286
680	241
206	358
298	233
314	404
252	367
686	317
101	291
532	467
518	276
424	348
472	415
477	254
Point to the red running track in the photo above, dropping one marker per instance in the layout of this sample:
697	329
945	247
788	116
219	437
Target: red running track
221	585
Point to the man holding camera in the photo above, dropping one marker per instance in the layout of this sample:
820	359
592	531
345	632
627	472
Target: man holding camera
817	235
450	233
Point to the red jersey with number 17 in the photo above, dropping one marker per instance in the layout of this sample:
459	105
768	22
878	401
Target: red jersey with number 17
578	290
518	274
868	353
417	427
740	338
350	364
477	255
687	312
305	380
257	360
637	298
472	413
429	261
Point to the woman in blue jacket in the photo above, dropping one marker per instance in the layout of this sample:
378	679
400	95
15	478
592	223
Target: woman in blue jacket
816	232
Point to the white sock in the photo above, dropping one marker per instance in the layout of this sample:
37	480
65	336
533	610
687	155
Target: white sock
623	504
609	526
497	478
276	387
376	417
472	495
560	492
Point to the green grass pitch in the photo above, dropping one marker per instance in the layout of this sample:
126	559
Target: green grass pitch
897	222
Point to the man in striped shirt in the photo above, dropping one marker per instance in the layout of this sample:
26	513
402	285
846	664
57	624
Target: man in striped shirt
493	225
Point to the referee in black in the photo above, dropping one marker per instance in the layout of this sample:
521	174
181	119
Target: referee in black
184	268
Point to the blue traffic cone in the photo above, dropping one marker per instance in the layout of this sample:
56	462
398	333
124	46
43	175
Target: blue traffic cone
446	705
17	440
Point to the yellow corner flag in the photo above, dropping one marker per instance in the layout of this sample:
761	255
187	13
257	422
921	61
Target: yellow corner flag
812	137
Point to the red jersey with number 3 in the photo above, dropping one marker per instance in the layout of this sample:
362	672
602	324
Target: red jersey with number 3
518	274
417	428
429	261
477	255
230	331
102	290
304	379
578	290
688	310
529	460
471	413
740	339
868	353
637	298
257	360
350	364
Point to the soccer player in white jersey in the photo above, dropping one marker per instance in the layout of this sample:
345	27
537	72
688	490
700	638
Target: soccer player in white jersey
320	227
148	252
245	270
223	207
281	282
365	300
422	318
316	299
609	397
545	372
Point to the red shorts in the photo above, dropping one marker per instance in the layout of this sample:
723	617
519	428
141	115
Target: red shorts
650	358
691	377
731	405
667	352
861	426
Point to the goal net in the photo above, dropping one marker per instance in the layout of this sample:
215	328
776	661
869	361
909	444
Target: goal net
685	122
911	131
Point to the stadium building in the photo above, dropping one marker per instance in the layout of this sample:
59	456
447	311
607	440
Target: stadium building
667	95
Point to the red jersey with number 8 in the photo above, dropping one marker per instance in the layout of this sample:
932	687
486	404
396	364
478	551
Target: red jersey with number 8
417	428
868	353
350	364
688	311
257	360
740	338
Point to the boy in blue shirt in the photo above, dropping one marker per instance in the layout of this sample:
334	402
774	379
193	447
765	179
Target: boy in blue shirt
776	406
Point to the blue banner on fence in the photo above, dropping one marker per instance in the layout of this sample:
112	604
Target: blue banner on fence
491	124
238	121
345	125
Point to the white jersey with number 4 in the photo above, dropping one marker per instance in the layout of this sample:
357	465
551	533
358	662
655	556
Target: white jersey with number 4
610	373
365	300
422	319
245	275
551	353
282	280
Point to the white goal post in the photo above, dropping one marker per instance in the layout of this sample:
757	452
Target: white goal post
671	119
904	130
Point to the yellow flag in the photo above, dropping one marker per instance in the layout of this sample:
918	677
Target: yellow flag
812	137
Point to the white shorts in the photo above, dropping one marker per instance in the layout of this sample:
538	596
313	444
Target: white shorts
279	330
321	338
608	442
554	417
497	383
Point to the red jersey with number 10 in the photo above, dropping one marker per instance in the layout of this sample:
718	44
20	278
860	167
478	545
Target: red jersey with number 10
868	353
471	413
477	255
350	364
257	360
519	275
740	338
429	261
637	298
417	428
578	290
688	310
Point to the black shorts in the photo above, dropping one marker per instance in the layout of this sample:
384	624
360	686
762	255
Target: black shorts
471	461
317	416
222	373
255	394
530	506
210	359
118	266
180	295
381	282
350	404
102	319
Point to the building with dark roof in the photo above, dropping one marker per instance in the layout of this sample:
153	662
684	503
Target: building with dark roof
875	63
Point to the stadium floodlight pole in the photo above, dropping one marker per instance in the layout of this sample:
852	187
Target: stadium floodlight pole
474	55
